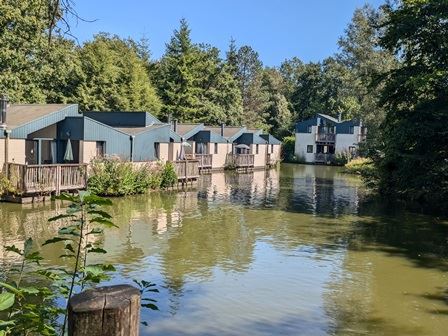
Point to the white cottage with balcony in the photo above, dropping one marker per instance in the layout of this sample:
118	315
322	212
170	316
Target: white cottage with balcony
320	138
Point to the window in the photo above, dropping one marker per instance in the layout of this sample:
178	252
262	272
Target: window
216	148
157	150
256	149
309	129
309	148
272	148
100	148
351	129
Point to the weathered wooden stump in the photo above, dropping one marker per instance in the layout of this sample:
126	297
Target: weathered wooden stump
105	311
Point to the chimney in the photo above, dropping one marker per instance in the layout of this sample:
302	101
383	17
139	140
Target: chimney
340	117
3	108
175	125
222	129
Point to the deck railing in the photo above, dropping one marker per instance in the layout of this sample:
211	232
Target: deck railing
32	179
240	160
186	169
326	137
323	157
205	160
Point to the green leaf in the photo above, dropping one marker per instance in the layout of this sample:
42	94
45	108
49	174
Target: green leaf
11	288
97	200
54	240
94	270
69	230
100	213
14	249
96	250
6	324
103	221
6	300
58	217
95	231
150	306
28	246
29	290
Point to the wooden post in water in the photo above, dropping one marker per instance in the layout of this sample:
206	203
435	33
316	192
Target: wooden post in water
105	311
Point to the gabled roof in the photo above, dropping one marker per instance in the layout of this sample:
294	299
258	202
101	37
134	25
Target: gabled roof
138	130
188	130
231	133
326	116
124	118
18	115
23	120
271	139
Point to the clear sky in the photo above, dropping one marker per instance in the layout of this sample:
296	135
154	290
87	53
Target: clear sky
277	29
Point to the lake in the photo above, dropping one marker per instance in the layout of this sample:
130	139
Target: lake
301	250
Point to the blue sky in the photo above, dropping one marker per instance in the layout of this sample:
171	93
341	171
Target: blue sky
277	29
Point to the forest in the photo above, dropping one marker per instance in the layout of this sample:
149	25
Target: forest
391	71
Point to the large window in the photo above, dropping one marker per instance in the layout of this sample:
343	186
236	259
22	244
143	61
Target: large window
157	150
309	148
100	148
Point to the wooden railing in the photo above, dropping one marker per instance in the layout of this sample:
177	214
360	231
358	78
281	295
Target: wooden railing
240	160
186	169
323	157
205	160
328	137
32	179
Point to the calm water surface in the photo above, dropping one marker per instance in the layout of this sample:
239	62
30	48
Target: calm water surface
294	251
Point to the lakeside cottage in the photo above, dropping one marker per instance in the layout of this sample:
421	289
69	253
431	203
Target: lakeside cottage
321	138
42	142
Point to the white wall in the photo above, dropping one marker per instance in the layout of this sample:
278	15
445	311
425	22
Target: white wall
87	150
260	158
302	141
344	141
219	160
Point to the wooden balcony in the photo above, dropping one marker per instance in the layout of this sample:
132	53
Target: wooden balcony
325	137
186	170
205	160
240	160
323	158
46	179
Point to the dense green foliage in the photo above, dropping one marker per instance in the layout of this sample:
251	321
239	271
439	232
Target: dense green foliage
411	153
114	177
191	81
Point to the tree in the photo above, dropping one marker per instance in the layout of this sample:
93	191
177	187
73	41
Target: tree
413	156
278	115
367	61
115	77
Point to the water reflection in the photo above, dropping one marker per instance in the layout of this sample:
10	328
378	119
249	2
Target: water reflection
294	251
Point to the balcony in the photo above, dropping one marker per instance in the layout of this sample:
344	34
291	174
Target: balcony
325	137
323	158
205	160
240	160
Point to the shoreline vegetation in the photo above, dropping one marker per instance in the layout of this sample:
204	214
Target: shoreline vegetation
114	177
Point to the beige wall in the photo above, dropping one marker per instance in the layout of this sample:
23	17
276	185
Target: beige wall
16	151
164	151
87	150
174	151
260	158
219	160
276	154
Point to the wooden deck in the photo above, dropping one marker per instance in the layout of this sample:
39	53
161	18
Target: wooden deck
240	161
46	179
186	170
205	161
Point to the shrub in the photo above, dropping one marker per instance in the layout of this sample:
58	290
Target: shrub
358	166
5	185
289	144
168	176
114	177
341	158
